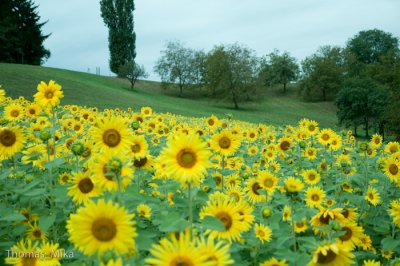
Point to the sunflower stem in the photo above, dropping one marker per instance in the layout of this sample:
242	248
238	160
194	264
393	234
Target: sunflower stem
190	207
222	174
118	199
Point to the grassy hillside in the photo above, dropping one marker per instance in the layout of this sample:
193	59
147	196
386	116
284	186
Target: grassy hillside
108	92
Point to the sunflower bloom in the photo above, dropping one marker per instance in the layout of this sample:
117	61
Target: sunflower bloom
100	227
48	94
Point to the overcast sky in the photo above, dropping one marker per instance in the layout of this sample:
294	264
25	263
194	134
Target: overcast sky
78	38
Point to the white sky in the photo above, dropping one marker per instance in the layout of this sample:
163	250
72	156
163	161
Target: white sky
79	38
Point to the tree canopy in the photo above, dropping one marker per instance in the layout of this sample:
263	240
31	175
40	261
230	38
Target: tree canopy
322	74
21	34
118	17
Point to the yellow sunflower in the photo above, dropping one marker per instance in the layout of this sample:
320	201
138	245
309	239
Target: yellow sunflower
311	176
325	136
267	181
284	144
83	188
111	134
394	211
100	227
253	191
51	254
371	263
312	127
372	196
293	184
227	211
11	141
13	112
300	227
314	196
325	216
138	147
352	235
48	94
212	122
217	252
33	110
225	143
144	210
35	232
263	232
332	255
25	247
287	213
392	147
274	262
186	158
177	251
376	140
110	171
391	168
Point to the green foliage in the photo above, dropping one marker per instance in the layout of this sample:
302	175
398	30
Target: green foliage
322	74
368	46
118	17
179	66
231	73
132	71
279	69
21	37
361	102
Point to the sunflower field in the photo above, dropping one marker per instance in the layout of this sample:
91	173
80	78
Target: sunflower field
80	186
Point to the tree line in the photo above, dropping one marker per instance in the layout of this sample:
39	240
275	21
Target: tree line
362	78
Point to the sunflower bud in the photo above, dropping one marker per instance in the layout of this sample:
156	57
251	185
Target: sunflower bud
115	165
266	212
45	134
77	148
206	189
302	144
19	174
135	125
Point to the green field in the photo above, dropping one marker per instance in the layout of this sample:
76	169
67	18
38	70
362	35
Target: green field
109	92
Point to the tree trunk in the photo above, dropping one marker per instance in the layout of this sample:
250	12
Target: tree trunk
366	127
382	130
234	99
324	95
355	130
284	87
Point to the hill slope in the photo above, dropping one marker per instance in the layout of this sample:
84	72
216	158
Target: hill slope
109	92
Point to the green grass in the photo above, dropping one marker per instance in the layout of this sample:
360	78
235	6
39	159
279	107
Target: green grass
109	92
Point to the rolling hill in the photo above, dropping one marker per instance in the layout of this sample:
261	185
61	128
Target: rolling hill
110	92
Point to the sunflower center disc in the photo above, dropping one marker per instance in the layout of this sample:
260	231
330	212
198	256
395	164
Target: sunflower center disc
7	138
186	158
324	220
85	185
135	148
268	183
49	95
311	128
325	137
393	169
323	259
180	261
348	234
32	111
285	145
111	138
37	233
211	122
225	218
315	197
311	177
104	229
255	187
224	142
28	259
15	113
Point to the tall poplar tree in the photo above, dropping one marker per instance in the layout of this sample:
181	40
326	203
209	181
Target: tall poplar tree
118	17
